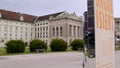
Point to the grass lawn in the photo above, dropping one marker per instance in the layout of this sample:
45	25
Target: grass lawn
117	47
3	51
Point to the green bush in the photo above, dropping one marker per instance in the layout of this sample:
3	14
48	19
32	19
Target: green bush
15	46
58	45
37	44
76	44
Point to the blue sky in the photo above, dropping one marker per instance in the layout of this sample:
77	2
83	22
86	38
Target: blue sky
43	7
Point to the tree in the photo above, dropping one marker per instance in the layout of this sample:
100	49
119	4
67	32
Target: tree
37	44
58	45
76	44
15	46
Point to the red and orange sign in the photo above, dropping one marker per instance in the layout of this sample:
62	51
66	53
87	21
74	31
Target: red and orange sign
104	14
104	33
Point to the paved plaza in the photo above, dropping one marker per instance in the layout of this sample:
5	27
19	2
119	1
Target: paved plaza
47	60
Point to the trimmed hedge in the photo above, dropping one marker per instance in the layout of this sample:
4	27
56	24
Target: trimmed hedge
77	43
15	46
37	44
58	45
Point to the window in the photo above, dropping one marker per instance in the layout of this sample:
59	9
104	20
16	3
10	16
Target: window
57	31
74	30
5	34
16	28
43	34
61	29
43	28
38	28
35	35
26	29
26	34
21	28
46	34
53	31
10	34
5	27
70	30
35	29
46	28
38	35
43	23
31	34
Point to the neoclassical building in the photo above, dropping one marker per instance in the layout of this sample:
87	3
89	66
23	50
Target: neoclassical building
60	25
15	25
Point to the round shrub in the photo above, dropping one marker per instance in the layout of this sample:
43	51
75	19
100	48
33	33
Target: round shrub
76	44
37	44
58	45
15	46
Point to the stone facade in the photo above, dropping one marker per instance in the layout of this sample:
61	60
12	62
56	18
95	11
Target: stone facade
61	25
17	26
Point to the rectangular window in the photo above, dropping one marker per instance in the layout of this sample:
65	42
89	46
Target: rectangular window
57	31
16	28
26	29
61	29
38	28
46	34
46	28
5	27
38	35
43	28
53	31
35	29
43	34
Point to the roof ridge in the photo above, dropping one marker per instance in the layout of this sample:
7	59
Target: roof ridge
52	14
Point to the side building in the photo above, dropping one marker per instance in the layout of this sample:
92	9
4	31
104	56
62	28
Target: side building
16	26
117	30
60	25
